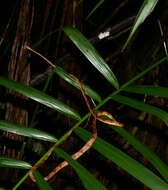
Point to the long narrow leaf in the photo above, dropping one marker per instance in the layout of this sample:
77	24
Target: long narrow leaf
95	8
124	161
40	97
13	163
149	90
27	132
145	10
67	77
41	183
88	180
73	82
91	54
142	107
152	158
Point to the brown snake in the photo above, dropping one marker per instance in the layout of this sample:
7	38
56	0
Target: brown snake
87	146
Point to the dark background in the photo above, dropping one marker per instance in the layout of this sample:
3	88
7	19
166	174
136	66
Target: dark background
144	49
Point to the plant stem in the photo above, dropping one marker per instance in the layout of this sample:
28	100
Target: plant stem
96	109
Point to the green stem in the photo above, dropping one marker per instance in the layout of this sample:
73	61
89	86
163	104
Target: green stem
96	108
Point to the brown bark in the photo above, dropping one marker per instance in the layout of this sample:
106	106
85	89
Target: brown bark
18	69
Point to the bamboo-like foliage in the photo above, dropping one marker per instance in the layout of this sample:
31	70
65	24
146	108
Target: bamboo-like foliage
124	161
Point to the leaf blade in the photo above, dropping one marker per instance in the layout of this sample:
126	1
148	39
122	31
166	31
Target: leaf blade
91	54
93	94
124	161
145	10
13	163
25	131
142	107
40	97
41	183
149	90
147	153
88	180
95	8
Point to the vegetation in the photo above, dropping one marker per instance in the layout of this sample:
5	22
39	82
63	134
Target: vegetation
129	93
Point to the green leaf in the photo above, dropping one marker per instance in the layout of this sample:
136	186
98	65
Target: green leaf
25	131
73	82
41	183
88	180
149	90
124	161
12	163
40	97
152	158
95	8
145	10
142	107
91	54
